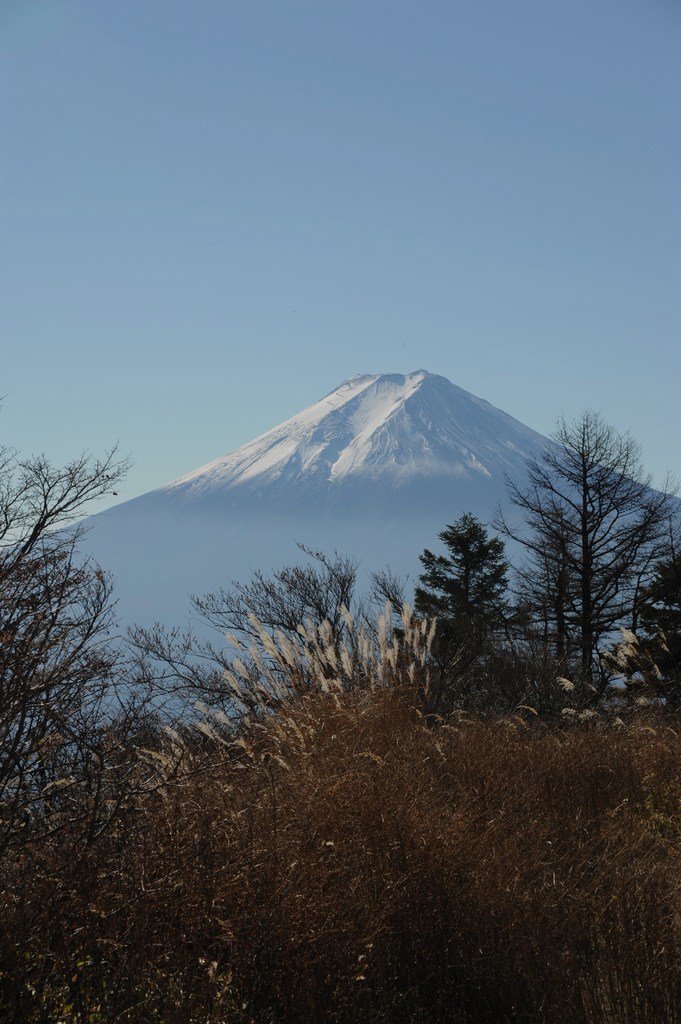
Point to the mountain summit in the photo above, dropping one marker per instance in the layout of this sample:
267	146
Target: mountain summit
386	429
375	470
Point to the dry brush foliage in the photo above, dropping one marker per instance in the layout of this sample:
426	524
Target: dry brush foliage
345	857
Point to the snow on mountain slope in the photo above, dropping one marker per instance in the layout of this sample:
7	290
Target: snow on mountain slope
375	469
387	428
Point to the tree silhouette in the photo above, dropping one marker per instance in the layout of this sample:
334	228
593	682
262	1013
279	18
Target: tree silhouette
592	533
464	589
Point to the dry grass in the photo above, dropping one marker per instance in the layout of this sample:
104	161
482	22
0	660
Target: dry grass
348	860
351	862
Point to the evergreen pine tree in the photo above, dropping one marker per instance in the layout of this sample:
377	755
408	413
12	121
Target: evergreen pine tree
660	617
464	589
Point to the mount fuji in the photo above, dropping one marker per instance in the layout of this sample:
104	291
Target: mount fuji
375	470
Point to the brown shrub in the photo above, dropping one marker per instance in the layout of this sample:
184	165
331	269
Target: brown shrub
350	860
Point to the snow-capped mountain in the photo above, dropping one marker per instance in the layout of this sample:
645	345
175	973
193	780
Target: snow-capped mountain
386	428
375	469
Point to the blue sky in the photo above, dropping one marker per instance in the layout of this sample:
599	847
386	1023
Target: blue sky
213	212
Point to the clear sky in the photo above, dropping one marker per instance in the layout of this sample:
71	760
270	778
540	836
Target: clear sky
214	211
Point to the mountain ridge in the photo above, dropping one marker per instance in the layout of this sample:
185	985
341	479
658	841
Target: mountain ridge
375	470
387	427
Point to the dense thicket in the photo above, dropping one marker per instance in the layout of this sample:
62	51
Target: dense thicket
350	861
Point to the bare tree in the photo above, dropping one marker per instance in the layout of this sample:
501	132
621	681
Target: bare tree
293	602
594	527
55	618
276	632
37	498
316	590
